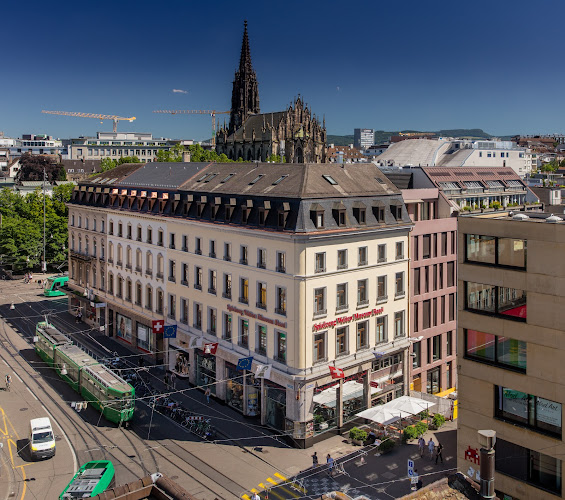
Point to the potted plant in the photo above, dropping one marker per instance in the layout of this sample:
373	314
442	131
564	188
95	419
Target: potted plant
386	446
357	436
438	420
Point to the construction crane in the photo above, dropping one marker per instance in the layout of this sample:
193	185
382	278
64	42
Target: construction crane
114	118
211	112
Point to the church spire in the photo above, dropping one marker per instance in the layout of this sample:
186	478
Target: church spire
245	93
245	57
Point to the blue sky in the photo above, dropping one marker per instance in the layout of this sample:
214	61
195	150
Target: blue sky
495	65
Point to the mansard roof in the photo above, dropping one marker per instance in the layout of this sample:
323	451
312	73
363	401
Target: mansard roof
206	191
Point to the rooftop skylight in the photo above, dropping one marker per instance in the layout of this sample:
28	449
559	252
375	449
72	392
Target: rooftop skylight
281	178
330	179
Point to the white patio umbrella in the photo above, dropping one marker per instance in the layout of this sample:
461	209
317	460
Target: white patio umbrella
409	405
380	415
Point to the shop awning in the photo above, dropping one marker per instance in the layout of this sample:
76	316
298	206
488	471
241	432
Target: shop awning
351	390
380	414
394	410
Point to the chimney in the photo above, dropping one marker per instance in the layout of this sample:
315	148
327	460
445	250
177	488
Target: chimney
186	156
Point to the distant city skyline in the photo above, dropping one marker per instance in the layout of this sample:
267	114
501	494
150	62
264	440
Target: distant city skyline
386	66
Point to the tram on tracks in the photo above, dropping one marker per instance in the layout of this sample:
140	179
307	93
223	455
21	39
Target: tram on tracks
92	478
105	390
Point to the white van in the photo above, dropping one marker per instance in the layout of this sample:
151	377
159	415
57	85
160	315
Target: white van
41	438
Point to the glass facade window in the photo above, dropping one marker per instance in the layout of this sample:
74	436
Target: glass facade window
491	299
416	354
433	386
509	252
436	349
495	350
528	410
527	465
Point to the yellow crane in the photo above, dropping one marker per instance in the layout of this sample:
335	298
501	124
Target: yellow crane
114	118
211	112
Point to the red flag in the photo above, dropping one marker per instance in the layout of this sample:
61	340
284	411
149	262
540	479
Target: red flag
336	372
211	348
158	325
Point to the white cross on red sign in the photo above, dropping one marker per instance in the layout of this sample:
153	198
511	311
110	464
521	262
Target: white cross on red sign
158	326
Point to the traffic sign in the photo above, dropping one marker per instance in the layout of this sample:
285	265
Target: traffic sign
410	468
414	479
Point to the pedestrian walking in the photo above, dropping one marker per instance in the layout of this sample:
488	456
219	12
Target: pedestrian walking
431	447
421	445
207	394
255	497
166	380
330	461
315	460
439	451
173	380
8	382
79	314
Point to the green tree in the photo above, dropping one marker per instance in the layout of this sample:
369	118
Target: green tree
173	154
33	166
20	243
276	158
108	163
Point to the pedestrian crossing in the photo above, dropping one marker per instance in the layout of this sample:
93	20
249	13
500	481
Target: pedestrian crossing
277	487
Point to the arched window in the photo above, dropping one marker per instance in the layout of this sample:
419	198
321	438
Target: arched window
86	245
111	283
138	293
159	301
79	244
149	297
102	250
128	257
129	232
160	266
128	290
110	252
86	223
94	225
73	242
94	277
94	247
138	258
149	263
120	286
120	255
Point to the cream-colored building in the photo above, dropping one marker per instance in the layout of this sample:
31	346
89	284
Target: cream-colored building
511	348
298	266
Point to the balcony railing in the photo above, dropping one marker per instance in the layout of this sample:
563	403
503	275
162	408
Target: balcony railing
212	290
262	265
261	350
281	269
226	295
243	262
197	286
244	300
280	311
281	358
159	276
261	305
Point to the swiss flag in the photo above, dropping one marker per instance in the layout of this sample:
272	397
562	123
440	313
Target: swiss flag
158	326
336	372
210	348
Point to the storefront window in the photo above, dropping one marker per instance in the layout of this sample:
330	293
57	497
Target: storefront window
144	337
123	327
234	387
179	363
206	370
491	299
433	386
276	405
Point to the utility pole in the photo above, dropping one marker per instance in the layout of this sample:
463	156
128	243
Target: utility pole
44	266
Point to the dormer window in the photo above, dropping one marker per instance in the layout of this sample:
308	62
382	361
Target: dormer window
282	215
396	210
360	212
379	211
339	213
317	215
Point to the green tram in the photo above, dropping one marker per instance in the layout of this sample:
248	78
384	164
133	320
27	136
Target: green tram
52	286
107	392
91	479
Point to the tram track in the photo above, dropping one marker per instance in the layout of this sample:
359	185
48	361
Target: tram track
183	456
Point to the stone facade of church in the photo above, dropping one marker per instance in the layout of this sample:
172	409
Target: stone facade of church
252	135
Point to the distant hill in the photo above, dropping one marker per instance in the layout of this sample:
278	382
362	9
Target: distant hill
383	136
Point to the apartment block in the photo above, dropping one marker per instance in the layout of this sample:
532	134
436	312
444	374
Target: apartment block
299	267
511	346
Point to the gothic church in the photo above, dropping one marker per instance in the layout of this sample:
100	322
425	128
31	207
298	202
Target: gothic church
293	133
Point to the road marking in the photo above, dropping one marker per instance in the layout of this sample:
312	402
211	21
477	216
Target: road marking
272	481
34	396
280	476
246	497
75	462
18	377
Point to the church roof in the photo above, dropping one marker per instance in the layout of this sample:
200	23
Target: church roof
256	122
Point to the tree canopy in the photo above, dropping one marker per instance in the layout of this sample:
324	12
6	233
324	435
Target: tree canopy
197	154
108	163
32	167
21	234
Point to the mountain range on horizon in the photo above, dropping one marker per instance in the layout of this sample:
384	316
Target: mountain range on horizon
382	136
